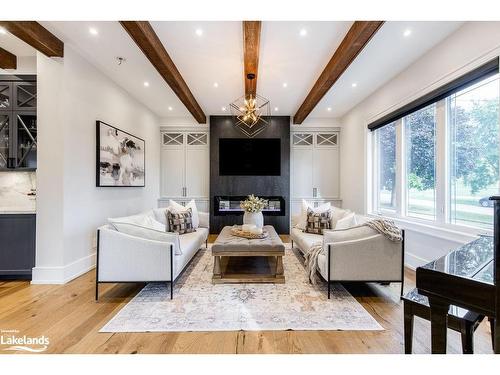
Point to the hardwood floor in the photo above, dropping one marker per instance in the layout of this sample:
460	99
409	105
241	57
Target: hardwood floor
70	317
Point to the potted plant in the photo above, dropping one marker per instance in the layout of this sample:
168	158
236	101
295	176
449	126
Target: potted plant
253	207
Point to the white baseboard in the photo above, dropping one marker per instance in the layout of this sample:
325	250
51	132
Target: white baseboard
63	274
413	261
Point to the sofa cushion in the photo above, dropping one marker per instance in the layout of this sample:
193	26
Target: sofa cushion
348	221
147	233
305	240
190	244
317	222
350	234
180	222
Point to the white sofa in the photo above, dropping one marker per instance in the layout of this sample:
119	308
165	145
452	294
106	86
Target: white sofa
158	256
357	254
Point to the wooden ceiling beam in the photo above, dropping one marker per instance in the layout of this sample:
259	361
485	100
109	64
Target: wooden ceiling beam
146	39
7	60
353	43
36	36
251	44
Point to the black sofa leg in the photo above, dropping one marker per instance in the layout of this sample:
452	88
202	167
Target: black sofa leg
96	291
328	281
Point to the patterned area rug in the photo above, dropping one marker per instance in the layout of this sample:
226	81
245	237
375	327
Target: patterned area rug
198	305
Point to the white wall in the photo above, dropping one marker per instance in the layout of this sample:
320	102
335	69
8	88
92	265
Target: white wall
470	46
25	65
72	95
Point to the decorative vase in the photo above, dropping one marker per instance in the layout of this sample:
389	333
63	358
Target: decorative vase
255	218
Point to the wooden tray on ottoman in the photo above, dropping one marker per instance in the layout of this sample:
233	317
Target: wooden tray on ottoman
241	260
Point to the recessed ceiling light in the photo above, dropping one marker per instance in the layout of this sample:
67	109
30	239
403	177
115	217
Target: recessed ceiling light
276	109
199	32
216	84
223	109
285	84
329	109
170	108
3	31
354	84
93	31
146	84
303	32
407	32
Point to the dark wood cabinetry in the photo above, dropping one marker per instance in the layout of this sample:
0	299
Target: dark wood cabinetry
18	122
17	245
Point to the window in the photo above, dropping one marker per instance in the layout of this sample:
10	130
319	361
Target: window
420	140
437	159
474	152
386	168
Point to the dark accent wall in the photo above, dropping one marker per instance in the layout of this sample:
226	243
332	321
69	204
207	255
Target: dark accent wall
223	127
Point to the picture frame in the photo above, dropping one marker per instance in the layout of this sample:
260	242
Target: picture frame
120	157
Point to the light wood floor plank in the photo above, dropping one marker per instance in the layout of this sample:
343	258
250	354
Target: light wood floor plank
70	317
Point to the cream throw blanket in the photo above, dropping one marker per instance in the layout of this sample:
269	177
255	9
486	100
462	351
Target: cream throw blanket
383	226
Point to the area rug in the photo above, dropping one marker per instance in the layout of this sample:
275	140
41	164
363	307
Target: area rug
198	305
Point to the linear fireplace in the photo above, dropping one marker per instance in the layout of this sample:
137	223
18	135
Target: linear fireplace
230	205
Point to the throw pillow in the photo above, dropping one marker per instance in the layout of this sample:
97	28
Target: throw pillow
317	222
337	214
346	222
180	222
180	208
160	215
302	221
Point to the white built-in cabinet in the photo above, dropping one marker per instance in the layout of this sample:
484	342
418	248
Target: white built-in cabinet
185	168
315	174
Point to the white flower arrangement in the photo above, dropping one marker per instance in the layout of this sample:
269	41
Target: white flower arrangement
253	204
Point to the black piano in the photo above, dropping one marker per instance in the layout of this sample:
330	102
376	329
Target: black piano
467	277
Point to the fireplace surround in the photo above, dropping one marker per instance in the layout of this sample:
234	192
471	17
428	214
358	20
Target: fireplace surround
238	187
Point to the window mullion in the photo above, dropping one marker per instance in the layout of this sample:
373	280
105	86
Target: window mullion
400	170
441	169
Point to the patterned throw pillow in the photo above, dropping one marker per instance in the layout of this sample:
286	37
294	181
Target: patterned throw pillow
317	222
180	222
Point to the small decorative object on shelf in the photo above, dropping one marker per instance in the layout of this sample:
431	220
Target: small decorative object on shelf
253	207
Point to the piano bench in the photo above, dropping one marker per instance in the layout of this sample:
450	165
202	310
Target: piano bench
460	320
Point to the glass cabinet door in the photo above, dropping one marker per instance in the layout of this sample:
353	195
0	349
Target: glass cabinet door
4	139
25	93
5	95
26	140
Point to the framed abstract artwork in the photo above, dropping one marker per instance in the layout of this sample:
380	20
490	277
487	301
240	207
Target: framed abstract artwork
120	157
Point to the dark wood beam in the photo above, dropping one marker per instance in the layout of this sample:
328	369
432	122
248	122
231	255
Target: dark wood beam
7	60
353	43
146	39
36	36
251	43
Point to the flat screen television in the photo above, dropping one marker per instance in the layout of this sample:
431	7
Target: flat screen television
250	157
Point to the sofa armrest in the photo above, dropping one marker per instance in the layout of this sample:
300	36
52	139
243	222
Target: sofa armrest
370	258
123	257
204	219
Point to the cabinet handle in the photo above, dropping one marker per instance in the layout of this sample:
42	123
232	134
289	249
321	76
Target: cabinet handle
185	191
315	192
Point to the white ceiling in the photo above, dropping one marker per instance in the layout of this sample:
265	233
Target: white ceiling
217	56
386	55
16	46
